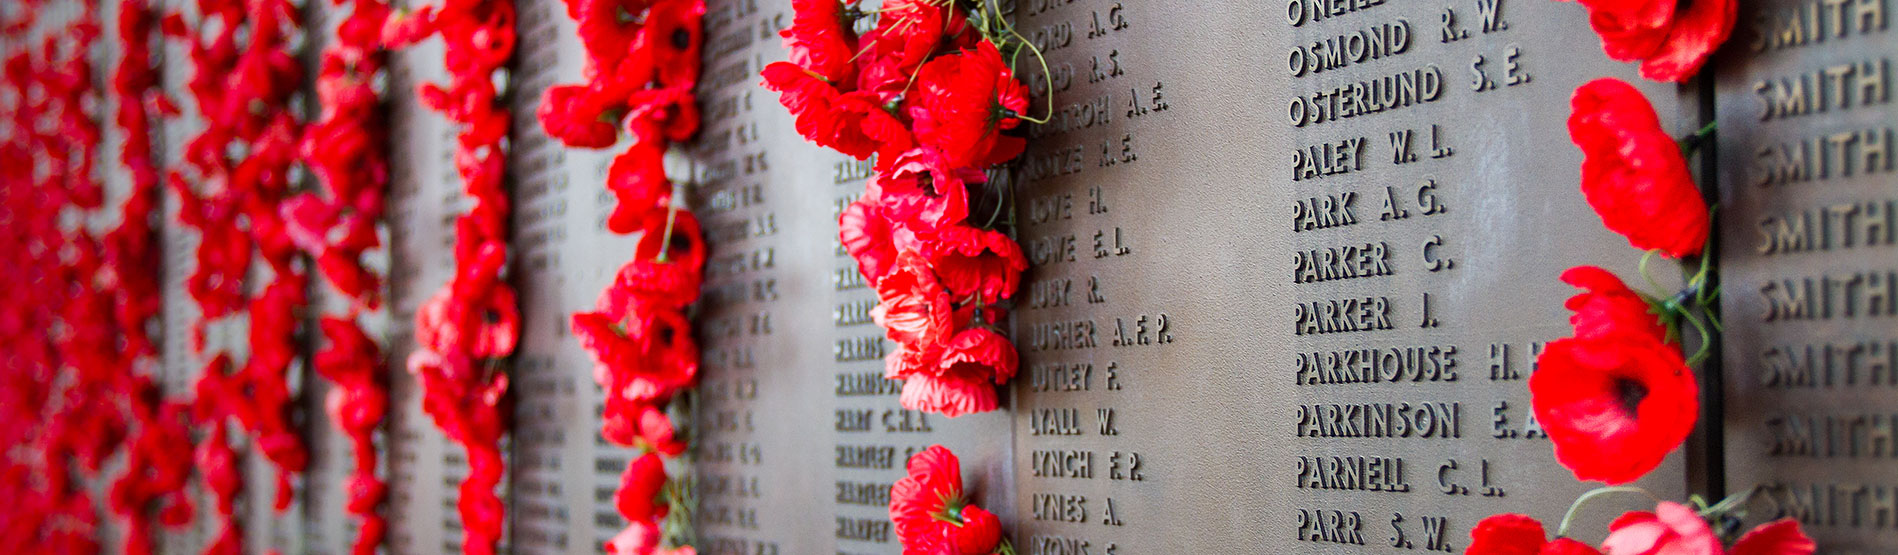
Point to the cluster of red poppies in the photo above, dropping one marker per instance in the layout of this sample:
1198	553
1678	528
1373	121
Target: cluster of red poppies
930	95
70	380
158	446
58	355
1617	396
1669	529
240	162
643	61
933	513
1637	180
465	332
158	456
345	149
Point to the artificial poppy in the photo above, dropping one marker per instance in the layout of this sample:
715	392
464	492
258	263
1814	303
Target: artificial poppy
638	498
1779	537
1670	39
870	238
930	493
1614	406
677	38
820	39
952	394
1672	529
1633	173
1507	534
1606	306
963	104
979	263
575	117
637	179
920	190
914	308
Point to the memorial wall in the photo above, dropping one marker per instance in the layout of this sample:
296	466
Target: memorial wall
1803	97
1291	264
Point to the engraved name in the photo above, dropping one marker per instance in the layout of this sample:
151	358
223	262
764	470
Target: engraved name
1832	436
1359	98
1829	365
1819	157
1847	225
1352	473
1356	314
1357	47
1831	297
1424	363
1381	420
1346	262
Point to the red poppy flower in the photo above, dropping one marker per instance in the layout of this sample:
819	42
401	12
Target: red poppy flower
670	275
964	102
638	181
980	533
1779	537
643	352
489	329
1606	306
1671	40
601	336
1614	406
932	492
639	424
868	235
571	114
800	91
980	351
1507	534
954	393
857	124
912	359
668	114
820	40
908	33
673	26
350	278
1672	529
914	308
639	486
365	491
1633	173
1567	546
356	408
638	538
919	190
608	30
480	511
671	359
976	262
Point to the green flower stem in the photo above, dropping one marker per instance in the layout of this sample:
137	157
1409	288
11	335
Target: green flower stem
987	6
1706	340
1568	518
665	241
1005	549
1731	502
1002	198
1692	142
1647	277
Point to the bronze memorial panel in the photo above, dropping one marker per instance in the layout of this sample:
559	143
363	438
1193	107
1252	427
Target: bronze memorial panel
1292	264
1809	267
802	436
